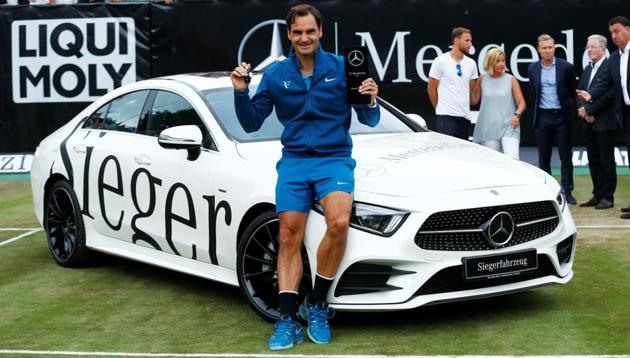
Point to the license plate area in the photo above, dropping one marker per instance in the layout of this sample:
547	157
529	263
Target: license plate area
501	265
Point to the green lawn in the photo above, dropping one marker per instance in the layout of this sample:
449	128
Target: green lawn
125	306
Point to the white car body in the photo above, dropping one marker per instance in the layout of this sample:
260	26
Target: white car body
207	203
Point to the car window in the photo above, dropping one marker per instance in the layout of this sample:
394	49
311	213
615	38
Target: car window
222	105
97	119
124	112
170	110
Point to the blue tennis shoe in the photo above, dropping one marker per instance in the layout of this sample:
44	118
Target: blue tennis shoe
287	333
317	316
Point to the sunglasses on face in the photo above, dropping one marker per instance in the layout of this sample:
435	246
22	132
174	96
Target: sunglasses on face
459	69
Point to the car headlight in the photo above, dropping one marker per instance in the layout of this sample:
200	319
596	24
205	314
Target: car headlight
373	219
562	202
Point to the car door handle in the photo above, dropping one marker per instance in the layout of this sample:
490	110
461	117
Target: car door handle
79	148
143	160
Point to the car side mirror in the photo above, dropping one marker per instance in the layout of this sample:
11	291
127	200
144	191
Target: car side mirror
187	137
418	119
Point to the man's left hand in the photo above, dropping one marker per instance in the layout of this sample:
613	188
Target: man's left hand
370	87
582	112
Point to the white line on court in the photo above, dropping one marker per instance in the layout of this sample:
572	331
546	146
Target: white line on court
20	236
18	228
603	226
211	355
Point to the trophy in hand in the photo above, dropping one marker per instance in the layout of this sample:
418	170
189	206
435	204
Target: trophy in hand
356	68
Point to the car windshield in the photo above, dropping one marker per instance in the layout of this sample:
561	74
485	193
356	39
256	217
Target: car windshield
222	105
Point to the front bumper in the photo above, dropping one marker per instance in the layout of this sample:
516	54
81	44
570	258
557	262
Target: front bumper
393	273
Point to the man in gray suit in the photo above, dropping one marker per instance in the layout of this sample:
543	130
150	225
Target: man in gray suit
598	121
619	74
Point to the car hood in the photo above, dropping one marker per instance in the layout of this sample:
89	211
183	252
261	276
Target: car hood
413	164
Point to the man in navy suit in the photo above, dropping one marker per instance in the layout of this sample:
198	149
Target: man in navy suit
619	28
619	74
552	81
599	123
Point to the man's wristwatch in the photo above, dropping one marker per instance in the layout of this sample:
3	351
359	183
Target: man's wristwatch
518	114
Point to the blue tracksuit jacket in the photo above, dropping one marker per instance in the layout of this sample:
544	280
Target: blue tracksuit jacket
316	121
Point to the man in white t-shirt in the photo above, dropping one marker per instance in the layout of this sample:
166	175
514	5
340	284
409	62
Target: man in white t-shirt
451	88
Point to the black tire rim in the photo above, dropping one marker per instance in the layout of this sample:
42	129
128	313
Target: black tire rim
260	270
61	224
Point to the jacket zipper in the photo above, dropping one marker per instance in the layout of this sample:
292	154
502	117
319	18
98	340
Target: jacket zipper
310	119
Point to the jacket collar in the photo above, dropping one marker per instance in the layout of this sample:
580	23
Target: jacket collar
320	67
597	64
553	63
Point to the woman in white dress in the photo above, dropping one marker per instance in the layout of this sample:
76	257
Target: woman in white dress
502	104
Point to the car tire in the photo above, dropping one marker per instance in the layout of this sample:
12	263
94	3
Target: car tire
64	226
257	266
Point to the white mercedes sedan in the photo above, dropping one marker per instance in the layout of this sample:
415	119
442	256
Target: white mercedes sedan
161	172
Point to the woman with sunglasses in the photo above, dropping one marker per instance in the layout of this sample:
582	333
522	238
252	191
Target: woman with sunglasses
502	104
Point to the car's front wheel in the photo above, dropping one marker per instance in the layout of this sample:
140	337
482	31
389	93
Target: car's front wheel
257	266
64	226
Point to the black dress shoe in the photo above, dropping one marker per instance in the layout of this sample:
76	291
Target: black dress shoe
604	204
625	215
570	199
625	209
591	202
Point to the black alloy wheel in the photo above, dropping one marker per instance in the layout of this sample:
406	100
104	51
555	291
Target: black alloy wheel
257	266
64	226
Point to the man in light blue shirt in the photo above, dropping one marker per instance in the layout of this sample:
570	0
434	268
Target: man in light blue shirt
552	81
548	90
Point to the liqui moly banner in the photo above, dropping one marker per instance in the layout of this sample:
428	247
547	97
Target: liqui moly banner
71	60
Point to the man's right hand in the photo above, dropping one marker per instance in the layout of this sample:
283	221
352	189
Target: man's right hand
238	76
584	95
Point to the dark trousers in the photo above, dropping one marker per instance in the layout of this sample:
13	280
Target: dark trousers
551	125
454	126
626	129
601	162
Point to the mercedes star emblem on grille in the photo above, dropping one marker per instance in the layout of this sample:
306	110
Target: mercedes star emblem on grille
499	229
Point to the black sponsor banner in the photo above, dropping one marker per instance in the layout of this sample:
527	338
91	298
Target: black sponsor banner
403	38
58	59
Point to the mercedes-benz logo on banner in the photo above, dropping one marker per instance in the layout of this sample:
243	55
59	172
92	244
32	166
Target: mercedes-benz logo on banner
355	58
275	54
499	229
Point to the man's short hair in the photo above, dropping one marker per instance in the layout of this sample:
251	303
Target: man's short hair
492	57
622	20
458	32
603	43
303	10
544	37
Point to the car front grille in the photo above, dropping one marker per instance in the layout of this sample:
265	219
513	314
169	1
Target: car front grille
451	278
460	230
